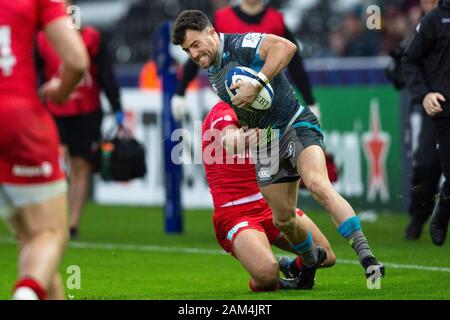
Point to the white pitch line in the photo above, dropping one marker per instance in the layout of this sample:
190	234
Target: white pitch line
150	248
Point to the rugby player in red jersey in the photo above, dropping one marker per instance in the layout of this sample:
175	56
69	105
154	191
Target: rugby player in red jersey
33	189
242	218
79	119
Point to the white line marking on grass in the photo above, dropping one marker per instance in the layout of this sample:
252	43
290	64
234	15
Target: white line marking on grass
150	248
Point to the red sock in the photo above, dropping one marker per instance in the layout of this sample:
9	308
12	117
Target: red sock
299	263
33	285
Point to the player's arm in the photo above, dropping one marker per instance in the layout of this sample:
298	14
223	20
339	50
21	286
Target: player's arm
298	73
75	60
178	102
107	81
233	139
276	52
236	140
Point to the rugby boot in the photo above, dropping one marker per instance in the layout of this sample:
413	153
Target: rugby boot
306	277
287	268
373	268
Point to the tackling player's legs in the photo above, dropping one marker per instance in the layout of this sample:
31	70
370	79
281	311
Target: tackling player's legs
282	199
252	248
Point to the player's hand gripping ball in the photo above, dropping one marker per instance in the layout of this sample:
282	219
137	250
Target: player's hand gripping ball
264	99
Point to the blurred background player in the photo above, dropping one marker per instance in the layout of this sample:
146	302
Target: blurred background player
426	167
33	190
242	218
249	16
79	119
427	74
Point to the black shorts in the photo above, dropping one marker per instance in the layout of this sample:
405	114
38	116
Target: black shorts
80	133
280	164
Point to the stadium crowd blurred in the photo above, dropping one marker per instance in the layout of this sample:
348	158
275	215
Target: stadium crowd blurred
334	28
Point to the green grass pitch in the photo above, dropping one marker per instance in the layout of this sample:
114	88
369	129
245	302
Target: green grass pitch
123	253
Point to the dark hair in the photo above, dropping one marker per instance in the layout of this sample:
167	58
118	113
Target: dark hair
188	19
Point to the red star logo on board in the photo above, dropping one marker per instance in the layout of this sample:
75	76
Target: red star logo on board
376	146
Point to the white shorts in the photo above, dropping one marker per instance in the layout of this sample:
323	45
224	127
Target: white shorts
15	196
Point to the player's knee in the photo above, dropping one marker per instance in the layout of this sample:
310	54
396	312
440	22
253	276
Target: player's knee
267	277
57	236
285	222
330	260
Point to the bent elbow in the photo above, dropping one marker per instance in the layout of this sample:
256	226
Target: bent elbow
291	48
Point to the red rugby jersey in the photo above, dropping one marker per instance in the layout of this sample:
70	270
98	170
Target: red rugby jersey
233	179
227	21
86	96
19	23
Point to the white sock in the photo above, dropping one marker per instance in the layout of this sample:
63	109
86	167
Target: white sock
25	293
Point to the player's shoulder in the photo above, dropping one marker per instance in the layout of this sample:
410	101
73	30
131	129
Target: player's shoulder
91	33
242	40
430	19
92	39
222	107
91	30
220	112
274	13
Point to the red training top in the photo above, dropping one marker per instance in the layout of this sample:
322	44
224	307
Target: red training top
86	96
227	21
230	177
19	23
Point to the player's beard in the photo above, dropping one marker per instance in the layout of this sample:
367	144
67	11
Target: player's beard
204	61
207	59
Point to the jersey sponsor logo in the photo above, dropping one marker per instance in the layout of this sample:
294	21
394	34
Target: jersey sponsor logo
264	174
445	20
225	55
233	230
251	40
227	118
291	149
7	59
44	170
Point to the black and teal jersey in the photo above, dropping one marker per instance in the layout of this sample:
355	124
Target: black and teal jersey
243	50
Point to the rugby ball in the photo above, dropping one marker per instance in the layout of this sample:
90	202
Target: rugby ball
263	100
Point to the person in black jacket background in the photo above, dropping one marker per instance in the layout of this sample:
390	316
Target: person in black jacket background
426	168
426	66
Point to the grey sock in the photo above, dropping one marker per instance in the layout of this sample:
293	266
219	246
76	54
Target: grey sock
359	243
309	257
